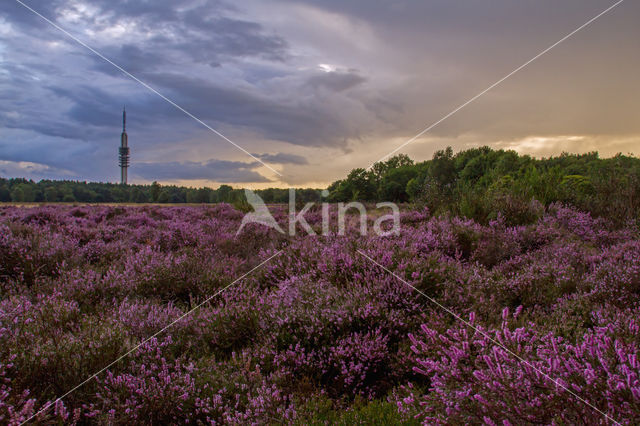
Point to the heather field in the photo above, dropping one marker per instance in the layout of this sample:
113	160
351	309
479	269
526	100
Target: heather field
330	329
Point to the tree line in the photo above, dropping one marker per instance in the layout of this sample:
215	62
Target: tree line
483	183
479	183
23	190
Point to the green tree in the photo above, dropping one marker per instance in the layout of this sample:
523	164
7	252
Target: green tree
51	194
137	195
358	185
192	196
381	168
23	192
224	193
17	194
203	195
163	196
393	186
5	194
442	168
155	191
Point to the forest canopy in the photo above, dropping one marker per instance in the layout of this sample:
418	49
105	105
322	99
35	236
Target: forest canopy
481	183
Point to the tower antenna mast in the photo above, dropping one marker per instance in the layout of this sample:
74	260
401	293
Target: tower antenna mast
124	150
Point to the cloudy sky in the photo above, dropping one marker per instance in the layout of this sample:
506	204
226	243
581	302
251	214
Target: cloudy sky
311	88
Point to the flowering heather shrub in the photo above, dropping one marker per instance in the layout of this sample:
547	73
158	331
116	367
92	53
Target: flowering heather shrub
359	360
14	407
475	380
319	334
154	390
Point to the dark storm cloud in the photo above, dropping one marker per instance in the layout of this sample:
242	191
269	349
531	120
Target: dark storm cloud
90	116
297	120
214	170
283	158
90	104
200	33
222	37
131	58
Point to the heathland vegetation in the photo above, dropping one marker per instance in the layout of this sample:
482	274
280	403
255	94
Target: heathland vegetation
320	334
510	295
